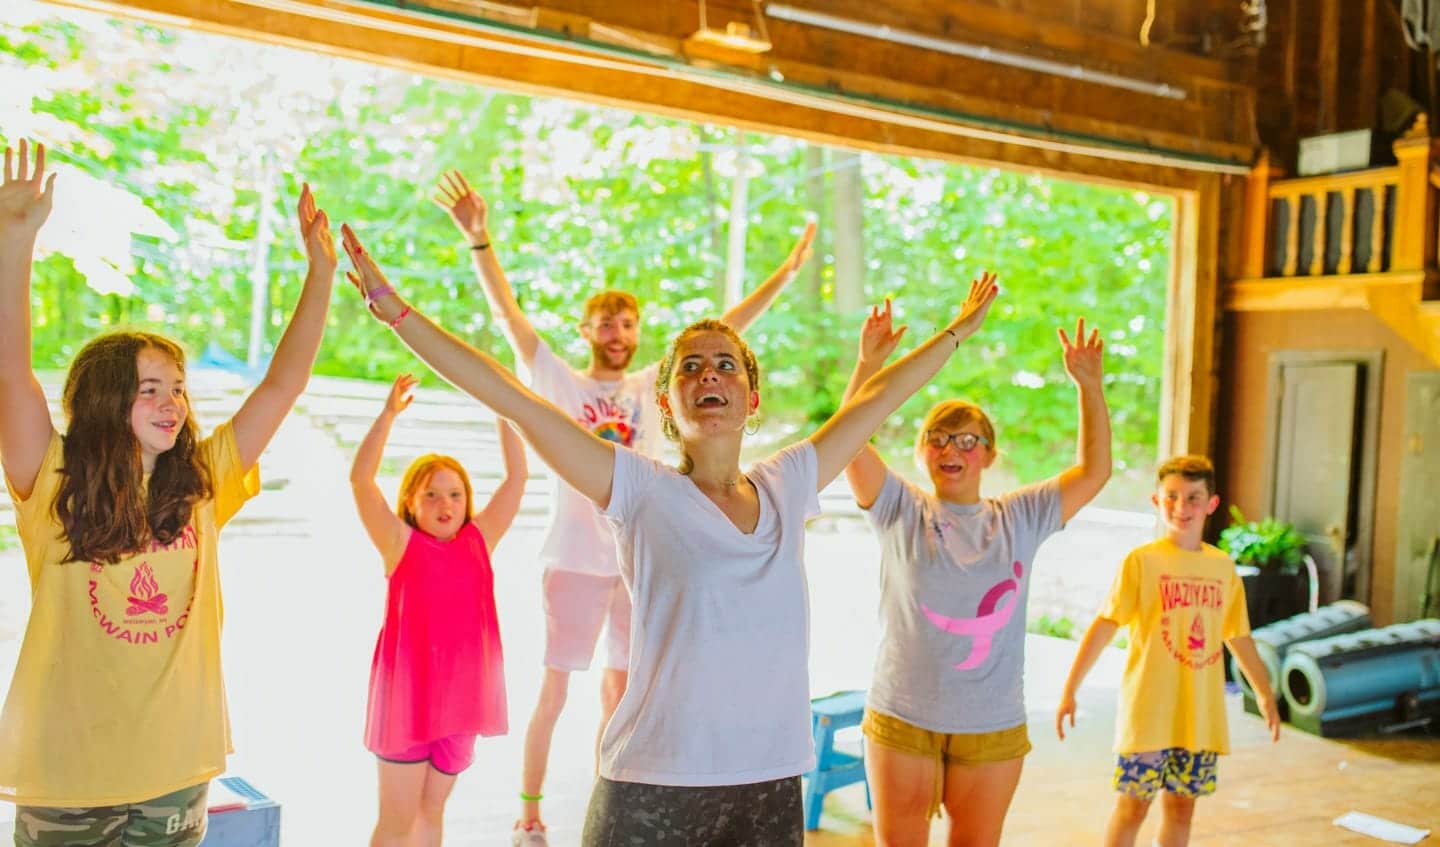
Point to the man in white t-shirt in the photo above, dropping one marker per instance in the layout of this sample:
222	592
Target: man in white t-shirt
582	586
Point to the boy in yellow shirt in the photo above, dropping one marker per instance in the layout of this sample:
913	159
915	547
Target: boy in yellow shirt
1180	598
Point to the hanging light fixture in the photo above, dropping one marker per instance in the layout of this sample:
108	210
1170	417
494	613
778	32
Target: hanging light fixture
737	35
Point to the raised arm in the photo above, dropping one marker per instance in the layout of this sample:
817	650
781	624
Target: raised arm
866	472
387	531
840	438
744	313
582	459
26	196
1083	362
289	372
1254	670
1097	638
471	216
499	513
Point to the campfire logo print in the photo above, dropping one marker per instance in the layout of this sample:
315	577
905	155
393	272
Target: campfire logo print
145	595
1184	604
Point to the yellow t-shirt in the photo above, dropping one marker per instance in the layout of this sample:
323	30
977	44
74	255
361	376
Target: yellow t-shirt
117	695
1180	606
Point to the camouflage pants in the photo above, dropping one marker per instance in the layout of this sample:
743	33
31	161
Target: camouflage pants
176	819
763	814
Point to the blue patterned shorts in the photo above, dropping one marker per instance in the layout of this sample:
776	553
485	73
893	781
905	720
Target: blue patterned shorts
1187	773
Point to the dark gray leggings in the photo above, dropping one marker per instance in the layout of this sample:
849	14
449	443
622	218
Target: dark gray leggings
631	814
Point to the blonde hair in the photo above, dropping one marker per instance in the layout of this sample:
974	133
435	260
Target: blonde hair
953	414
610	302
418	475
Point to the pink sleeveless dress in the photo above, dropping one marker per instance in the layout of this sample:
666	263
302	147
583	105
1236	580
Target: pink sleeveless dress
438	669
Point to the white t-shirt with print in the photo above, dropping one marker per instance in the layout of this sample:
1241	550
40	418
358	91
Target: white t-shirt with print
719	690
624	412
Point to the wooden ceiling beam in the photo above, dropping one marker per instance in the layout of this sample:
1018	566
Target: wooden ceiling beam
462	52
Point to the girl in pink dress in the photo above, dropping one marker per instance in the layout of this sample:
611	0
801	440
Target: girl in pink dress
437	680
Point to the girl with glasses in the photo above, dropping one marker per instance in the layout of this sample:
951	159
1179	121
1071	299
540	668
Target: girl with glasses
945	713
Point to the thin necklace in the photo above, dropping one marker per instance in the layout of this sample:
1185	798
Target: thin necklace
728	483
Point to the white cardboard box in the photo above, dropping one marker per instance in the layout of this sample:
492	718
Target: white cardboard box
1340	151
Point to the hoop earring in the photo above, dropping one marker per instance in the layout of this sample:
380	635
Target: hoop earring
752	424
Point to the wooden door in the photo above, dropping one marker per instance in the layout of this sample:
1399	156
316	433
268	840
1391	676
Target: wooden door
1419	516
1323	415
1314	462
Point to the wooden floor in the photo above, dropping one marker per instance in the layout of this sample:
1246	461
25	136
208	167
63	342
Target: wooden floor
1287	793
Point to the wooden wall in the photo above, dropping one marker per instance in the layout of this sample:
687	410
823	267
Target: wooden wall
1326	67
1250	338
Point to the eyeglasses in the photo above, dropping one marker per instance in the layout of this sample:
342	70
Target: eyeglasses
966	441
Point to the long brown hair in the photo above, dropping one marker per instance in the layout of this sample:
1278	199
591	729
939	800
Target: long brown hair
418	475
102	504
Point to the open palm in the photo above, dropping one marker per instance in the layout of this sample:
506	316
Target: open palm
983	292
400	397
466	208
26	194
877	338
1084	358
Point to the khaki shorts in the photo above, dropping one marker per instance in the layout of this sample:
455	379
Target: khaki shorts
968	749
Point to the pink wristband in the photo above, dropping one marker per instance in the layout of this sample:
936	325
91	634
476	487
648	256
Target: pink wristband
398	318
376	294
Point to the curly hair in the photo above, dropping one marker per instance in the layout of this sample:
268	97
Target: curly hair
667	370
106	510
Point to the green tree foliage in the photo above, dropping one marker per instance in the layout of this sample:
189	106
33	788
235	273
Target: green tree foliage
215	136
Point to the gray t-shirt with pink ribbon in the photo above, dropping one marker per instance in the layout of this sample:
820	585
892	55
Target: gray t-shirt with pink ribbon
954	581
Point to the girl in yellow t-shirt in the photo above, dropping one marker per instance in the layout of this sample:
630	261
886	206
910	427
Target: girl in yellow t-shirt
115	719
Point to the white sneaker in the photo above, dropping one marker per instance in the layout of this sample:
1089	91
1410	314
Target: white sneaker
528	837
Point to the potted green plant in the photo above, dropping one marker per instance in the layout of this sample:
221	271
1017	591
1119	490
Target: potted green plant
1268	555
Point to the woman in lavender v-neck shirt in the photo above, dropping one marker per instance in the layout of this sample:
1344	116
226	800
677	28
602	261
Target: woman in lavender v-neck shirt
710	738
945	714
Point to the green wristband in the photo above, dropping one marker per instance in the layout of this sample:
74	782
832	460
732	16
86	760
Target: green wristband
531	798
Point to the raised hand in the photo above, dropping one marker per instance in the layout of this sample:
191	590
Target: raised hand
315	232
1083	358
26	194
877	340
400	397
466	208
800	252
972	312
380	296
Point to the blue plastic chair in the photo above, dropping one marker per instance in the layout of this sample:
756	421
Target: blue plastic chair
833	769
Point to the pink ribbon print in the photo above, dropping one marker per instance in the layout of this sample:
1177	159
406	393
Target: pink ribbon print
990	618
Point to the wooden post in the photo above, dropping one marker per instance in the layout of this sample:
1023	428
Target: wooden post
1414	241
1291	265
1257	218
849	209
1348	199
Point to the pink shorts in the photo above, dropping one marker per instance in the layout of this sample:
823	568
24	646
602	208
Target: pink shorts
449	755
577	605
